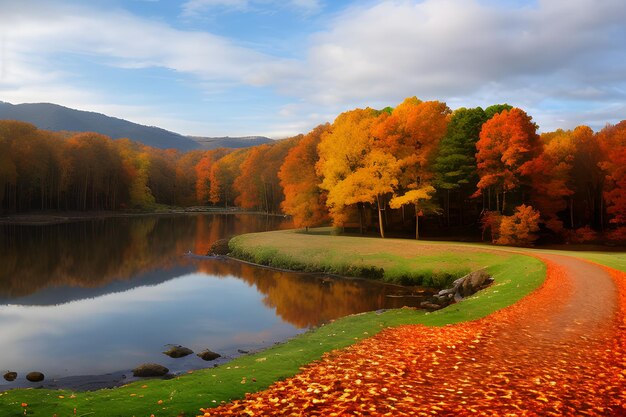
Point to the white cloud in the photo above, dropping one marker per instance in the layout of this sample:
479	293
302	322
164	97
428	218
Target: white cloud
193	8
464	52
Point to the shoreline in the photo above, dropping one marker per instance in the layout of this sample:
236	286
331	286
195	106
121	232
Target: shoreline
44	218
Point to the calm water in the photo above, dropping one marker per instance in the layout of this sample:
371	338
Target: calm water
101	297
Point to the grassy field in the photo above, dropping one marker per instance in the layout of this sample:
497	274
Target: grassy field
397	261
391	259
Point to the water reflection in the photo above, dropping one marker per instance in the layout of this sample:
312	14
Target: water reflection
93	254
101	296
306	300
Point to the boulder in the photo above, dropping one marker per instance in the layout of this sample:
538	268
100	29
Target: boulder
446	291
473	282
208	355
150	369
219	247
10	376
178	352
430	306
35	376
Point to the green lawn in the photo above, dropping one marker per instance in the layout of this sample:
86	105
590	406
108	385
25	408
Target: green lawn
515	276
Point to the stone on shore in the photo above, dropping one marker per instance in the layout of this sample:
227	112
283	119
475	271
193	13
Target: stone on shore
10	376
178	352
208	355
35	376
150	369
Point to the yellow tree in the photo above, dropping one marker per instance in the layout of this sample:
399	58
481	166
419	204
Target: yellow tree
222	177
345	161
376	177
421	199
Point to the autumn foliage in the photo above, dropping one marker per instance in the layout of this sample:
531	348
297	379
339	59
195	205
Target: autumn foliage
417	168
304	199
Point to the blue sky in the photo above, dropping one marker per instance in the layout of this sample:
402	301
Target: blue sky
278	68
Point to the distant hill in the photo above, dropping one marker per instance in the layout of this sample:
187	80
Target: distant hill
228	142
53	117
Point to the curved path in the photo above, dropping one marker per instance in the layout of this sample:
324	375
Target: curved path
559	351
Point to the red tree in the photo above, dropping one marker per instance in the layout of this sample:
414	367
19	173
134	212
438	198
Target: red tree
508	142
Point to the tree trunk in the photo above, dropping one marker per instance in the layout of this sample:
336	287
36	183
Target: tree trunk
571	213
448	207
601	212
503	201
417	223
380	218
498	202
359	207
267	207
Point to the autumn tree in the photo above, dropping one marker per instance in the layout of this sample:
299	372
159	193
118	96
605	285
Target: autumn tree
345	162
136	165
304	199
508	142
258	184
161	172
185	179
411	134
549	175
203	172
613	138
519	228
421	201
222	177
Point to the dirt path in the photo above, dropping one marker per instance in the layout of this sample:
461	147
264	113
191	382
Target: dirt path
560	351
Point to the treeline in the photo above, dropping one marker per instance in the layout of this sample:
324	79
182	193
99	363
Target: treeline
418	166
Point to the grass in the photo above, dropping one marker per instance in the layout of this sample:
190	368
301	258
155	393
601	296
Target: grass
391	260
515	276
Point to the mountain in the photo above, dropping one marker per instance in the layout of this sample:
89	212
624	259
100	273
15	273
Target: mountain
230	142
53	117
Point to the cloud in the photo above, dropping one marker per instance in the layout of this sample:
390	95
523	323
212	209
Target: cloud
34	45
460	50
193	8
562	60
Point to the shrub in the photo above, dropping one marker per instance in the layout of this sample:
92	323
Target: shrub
582	235
491	221
519	228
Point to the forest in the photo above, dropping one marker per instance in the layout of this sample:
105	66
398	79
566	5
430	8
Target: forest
419	169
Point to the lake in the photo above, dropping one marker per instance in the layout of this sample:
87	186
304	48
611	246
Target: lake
85	302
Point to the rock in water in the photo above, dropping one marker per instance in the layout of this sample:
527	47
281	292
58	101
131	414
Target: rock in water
178	352
35	376
150	369
208	355
10	376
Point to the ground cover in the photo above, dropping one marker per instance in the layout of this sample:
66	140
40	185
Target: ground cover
515	275
560	351
398	261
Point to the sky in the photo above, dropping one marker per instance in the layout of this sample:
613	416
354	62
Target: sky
280	67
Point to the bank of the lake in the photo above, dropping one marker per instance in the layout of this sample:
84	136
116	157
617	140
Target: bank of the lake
46	217
515	276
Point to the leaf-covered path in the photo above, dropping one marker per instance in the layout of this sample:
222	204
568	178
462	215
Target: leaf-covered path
560	351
